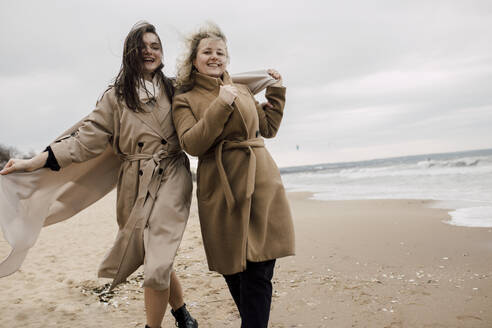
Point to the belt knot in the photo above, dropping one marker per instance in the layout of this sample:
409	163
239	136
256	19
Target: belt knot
226	145
151	180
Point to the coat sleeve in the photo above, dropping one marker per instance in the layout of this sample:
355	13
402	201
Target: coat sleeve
270	118
196	136
92	137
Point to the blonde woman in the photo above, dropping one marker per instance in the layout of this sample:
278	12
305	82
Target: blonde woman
244	213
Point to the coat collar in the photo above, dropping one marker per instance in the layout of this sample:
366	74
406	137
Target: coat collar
148	113
211	83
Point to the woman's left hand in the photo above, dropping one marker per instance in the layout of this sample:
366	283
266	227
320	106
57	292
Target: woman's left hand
276	75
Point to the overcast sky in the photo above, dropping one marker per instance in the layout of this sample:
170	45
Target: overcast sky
365	79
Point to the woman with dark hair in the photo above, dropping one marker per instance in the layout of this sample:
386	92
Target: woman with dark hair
151	174
244	213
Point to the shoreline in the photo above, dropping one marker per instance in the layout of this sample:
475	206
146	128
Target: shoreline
451	206
396	263
359	263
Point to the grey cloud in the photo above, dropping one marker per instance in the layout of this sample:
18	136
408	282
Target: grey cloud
360	74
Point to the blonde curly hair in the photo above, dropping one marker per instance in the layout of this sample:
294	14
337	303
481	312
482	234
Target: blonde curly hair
184	79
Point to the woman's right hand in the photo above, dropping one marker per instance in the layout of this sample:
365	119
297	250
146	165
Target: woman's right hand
25	165
228	93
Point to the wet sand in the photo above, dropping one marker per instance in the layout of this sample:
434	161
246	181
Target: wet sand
367	263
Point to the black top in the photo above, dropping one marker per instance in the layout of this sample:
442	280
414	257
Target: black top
51	162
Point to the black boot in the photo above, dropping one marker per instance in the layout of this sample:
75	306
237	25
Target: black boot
184	318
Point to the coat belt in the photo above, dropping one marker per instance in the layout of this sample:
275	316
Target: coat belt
149	184
150	181
229	145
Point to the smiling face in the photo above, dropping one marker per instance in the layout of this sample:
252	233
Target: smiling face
211	58
151	54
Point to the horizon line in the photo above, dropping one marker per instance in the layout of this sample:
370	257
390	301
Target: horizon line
379	158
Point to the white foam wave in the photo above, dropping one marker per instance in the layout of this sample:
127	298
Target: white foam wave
461	162
460	166
480	216
395	171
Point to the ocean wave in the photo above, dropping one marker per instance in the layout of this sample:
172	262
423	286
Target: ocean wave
480	216
462	166
465	177
461	162
408	171
439	187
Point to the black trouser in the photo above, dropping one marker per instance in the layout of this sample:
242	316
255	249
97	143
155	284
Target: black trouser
252	292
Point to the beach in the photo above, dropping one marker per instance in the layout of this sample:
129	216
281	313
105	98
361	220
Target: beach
359	263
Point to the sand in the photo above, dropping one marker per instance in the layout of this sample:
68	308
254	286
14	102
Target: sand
367	263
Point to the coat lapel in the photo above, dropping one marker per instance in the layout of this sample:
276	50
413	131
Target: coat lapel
162	113
148	120
148	115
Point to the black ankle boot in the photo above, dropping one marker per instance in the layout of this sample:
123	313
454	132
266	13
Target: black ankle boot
184	318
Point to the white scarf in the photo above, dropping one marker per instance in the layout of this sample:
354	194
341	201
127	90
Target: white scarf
149	91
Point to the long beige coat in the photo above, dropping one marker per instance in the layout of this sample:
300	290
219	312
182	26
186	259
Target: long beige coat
243	209
153	189
31	200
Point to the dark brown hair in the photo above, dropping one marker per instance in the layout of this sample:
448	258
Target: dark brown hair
128	79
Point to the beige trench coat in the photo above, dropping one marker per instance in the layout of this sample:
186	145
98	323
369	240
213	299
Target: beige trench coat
153	189
243	208
30	200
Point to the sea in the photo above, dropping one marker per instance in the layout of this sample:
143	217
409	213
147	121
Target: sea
459	181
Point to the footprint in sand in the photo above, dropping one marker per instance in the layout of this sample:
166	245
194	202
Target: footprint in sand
51	308
468	317
395	324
